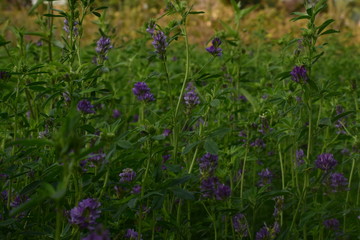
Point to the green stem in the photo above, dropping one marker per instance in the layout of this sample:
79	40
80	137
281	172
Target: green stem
281	168
212	217
187	69
58	222
243	175
348	193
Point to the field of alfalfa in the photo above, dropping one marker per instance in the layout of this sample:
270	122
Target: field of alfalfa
161	138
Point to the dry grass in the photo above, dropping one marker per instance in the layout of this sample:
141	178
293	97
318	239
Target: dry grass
270	22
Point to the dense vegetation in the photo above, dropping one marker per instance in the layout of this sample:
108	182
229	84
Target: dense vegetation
157	138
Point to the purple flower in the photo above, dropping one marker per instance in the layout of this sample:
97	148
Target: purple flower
86	213
332	224
103	46
165	158
85	106
166	132
208	186
160	43
39	43
20	199
222	192
337	182
95	158
299	75
66	97
151	27
116	113
325	161
127	175
136	189
4	75
263	234
340	123
240	224
208	164
190	97
300	157
66	27
279	205
99	234
214	49
242	98
132	234
142	92
265	177
258	143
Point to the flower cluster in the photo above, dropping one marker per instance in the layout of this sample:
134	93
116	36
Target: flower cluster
279	205
325	162
142	92
214	49
86	213
210	185
258	143
127	175
337	182
332	224
75	30
299	74
300	157
103	46
116	113
190	97
132	234
340	123
4	75
240	225
208	164
266	177
151	27
267	233
160	43
98	234
85	106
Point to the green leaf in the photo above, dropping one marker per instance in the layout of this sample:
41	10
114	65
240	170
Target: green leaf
330	31
211	146
299	18
124	144
325	122
196	12
309	11
31	203
250	98
132	203
316	58
324	25
220	132
101	8
31	142
283	75
30	188
215	103
183	194
190	146
96	14
52	15
8	222
299	13
313	85
337	117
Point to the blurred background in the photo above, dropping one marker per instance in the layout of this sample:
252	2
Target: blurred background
269	21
